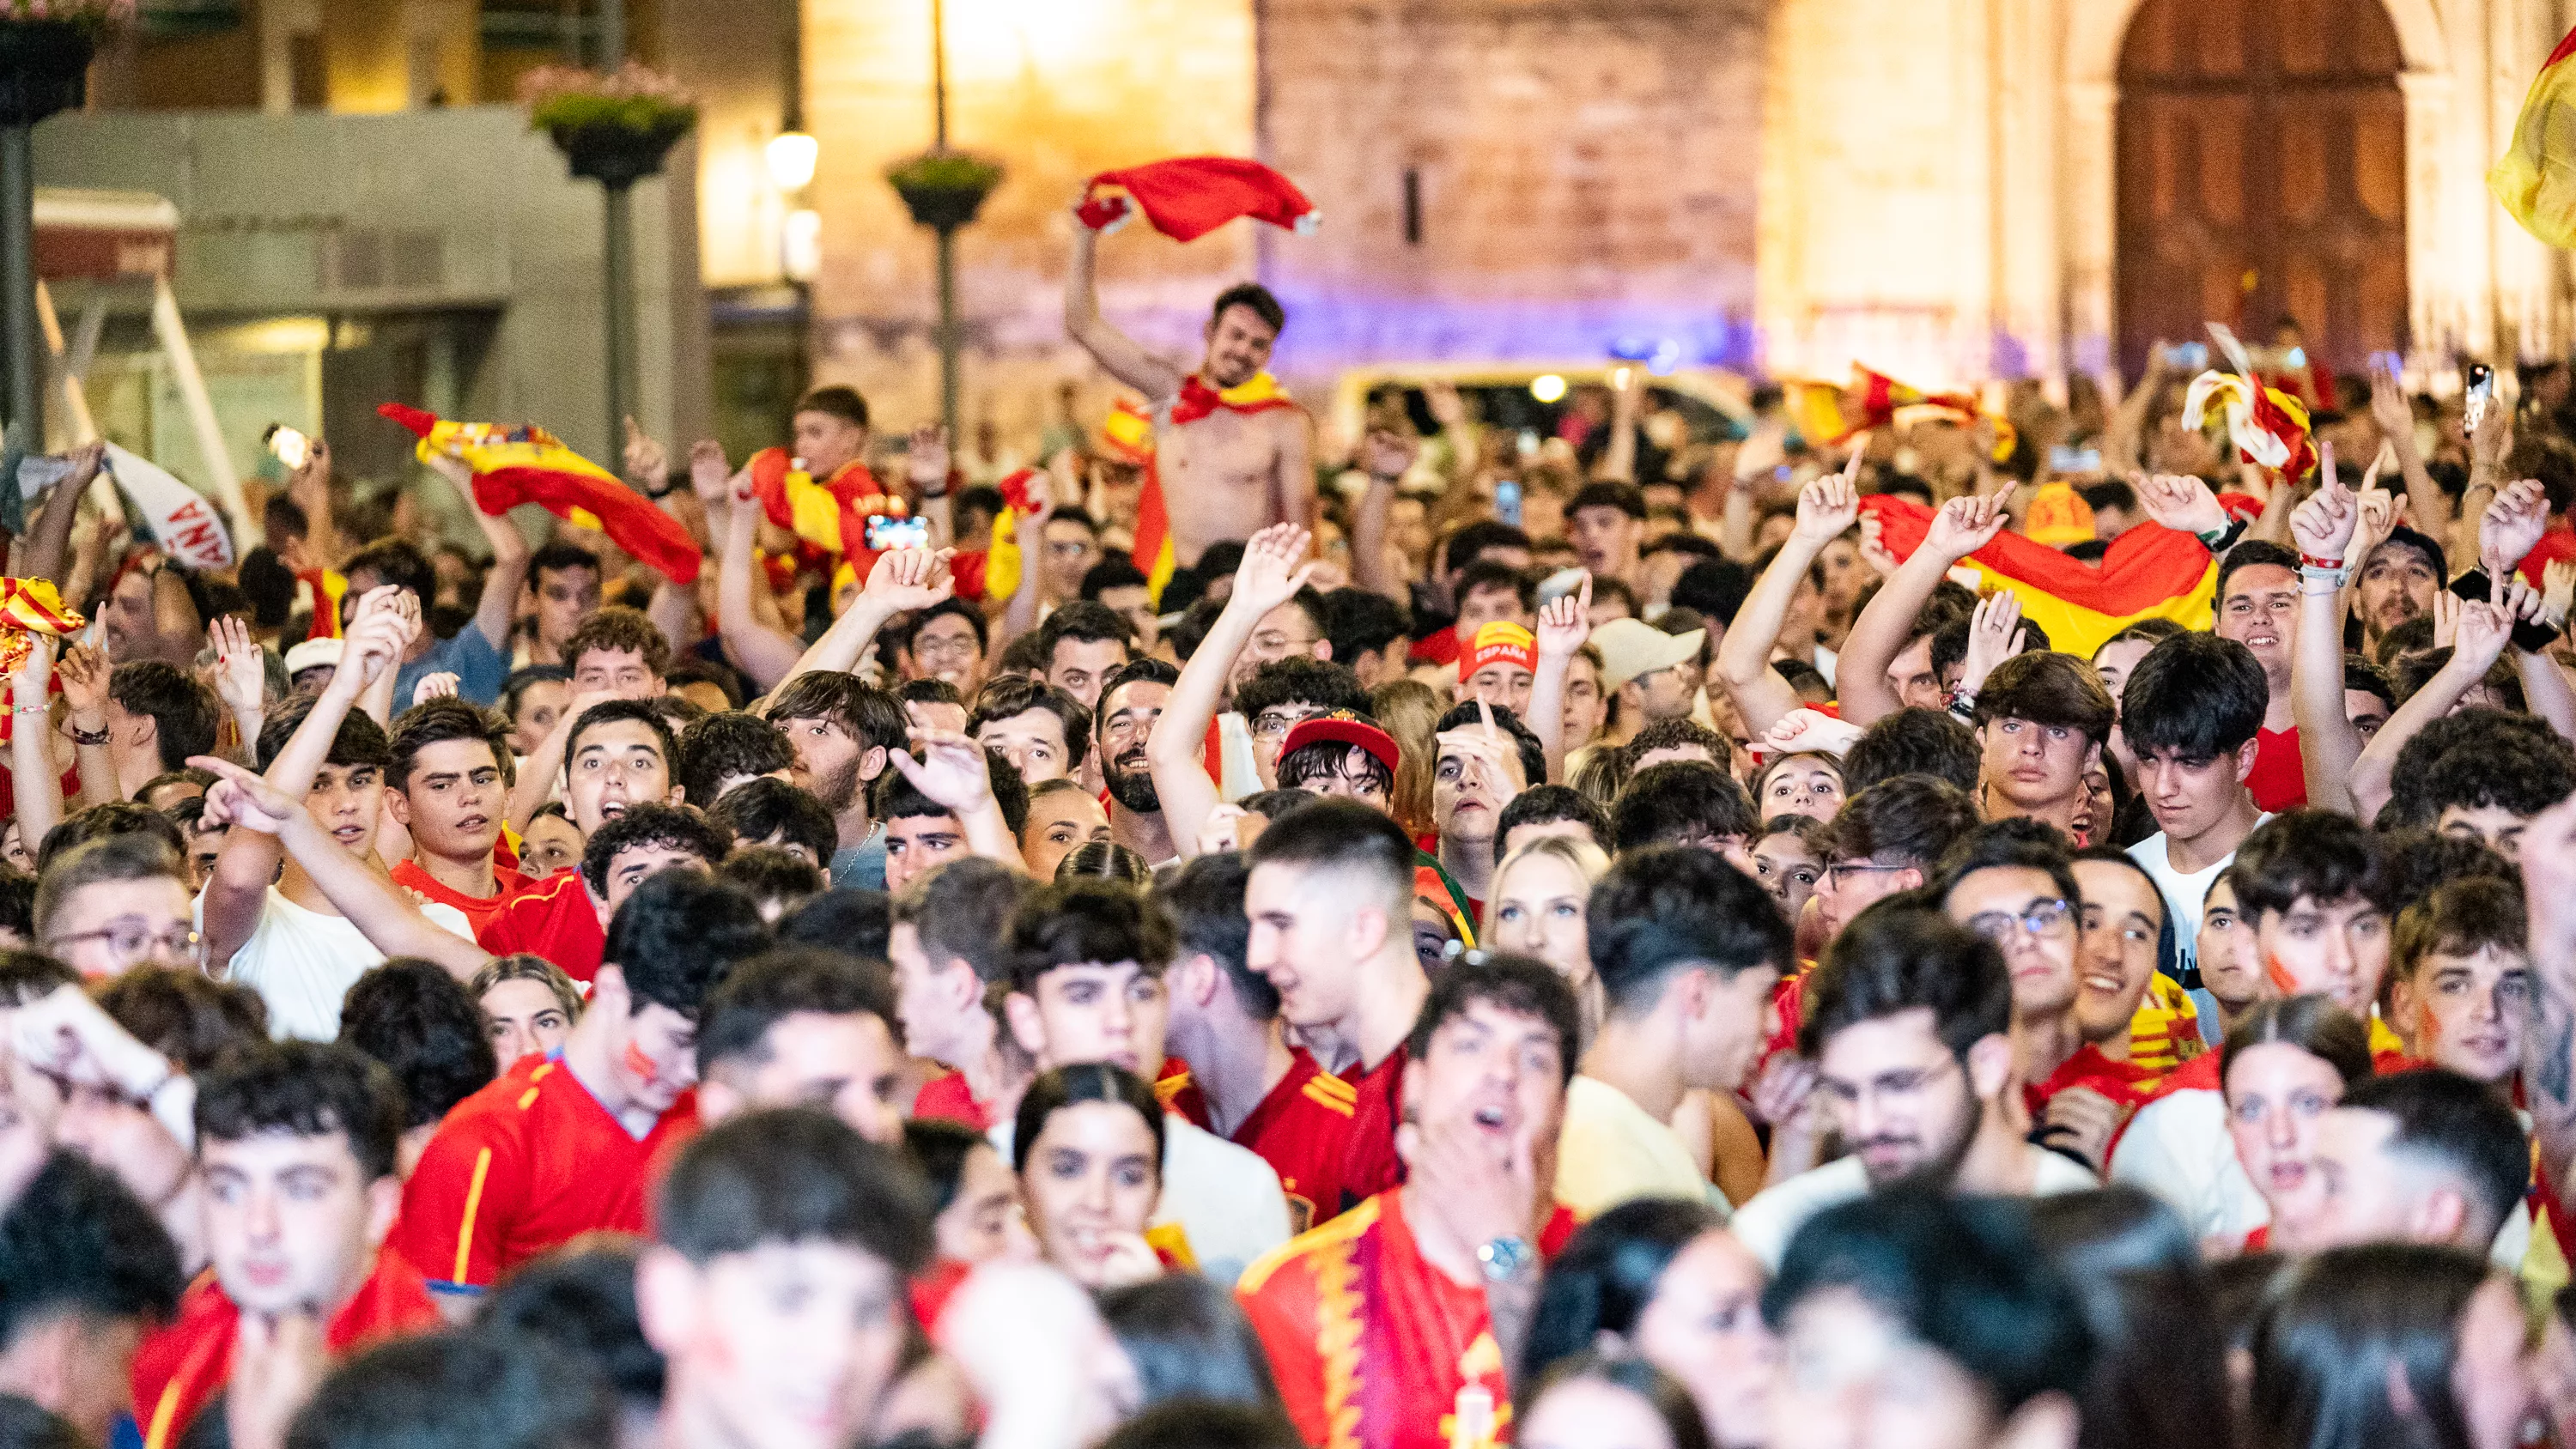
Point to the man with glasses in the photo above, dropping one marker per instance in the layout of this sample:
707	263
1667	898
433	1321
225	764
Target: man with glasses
1909	1025
2011	883
947	642
1885	839
110	905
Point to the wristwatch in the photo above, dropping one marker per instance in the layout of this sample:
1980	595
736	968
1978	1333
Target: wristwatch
1504	1259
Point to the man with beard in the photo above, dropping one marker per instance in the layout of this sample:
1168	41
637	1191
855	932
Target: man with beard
2397	582
842	729
1130	703
1908	1022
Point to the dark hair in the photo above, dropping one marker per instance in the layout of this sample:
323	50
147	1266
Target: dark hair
2312	1023
77	1240
1623	1368
18	903
420	1022
1105	860
1471	540
1116	571
1193	1423
2460	918
728	744
1189	1341
1533	754
1547	804
1517	984
690	669
1897	956
204	780
939	1148
1299	680
2251	553
1628	498
2421	862
1963	1276
758	809
1254	296
620	630
2415	636
868	714
485	1389
1204	901
1679	732
437	721
1362	621
1071	923
963	911
1661	910
579	1301
792	1175
1715	587
1678	800
945	608
1493	573
1607	1275
2457	1124
2047	689
2160	1361
304	1089
836	400
2197	695
2336	1331
678	935
1909	819
615	711
1014	695
358	742
1025	655
849	919
929	689
1086	621
559	557
2489	759
1306	766
650	824
1344	835
773	874
777	984
2317	854
1065	1086
516	686
2013	843
119	840
1147	670
1915	741
394	562
897	798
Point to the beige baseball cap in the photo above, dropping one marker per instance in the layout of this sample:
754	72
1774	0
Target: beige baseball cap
1631	647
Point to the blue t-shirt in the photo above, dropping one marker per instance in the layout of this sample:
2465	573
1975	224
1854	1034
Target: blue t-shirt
479	668
862	864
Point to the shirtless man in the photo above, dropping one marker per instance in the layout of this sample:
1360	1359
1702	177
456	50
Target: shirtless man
1229	467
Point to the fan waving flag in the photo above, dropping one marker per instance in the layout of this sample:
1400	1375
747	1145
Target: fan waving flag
2535	179
2149	572
526	464
1187	197
1828	414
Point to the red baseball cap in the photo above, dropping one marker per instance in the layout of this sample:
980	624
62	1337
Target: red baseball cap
1500	641
1345	728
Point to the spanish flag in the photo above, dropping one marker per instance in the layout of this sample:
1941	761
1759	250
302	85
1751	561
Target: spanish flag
1828	414
829	513
1187	197
2535	179
2149	572
1153	552
526	464
29	607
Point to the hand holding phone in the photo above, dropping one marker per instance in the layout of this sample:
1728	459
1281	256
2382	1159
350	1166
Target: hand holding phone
888	531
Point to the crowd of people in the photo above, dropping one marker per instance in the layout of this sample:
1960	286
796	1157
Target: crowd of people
1235	936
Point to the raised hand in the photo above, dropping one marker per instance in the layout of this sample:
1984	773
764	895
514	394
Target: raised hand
708	471
2483	632
1994	635
1827	506
1387	454
2378	520
241	668
1811	732
2324	524
441	685
1272	572
84	672
2494	436
245	799
2511	528
1222	830
1565	621
1963	525
925	461
2446	618
2181	502
905	579
2390	408
2519	600
952	770
302	484
647	462
35	675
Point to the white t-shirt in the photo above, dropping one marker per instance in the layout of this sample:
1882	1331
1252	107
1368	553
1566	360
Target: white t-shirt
2184	894
1225	1197
1611	1150
1767	1223
302	962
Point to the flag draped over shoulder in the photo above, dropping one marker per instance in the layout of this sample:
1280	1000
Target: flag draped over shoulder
2535	179
526	464
1187	197
1153	552
2149	572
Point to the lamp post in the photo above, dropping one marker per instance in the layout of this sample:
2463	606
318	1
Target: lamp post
44	68
943	190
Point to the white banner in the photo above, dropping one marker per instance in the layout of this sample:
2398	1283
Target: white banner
184	524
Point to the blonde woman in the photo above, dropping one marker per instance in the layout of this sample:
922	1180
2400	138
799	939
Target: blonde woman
1540	891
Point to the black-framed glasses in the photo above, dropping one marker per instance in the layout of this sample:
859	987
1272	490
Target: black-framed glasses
2041	921
1834	874
131	941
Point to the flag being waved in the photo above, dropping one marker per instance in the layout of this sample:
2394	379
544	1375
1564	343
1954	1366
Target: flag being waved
1827	414
523	463
2149	572
2268	426
2535	179
1187	197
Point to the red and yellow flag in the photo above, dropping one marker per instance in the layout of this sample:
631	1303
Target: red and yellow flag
1153	552
523	463
1828	414
2535	179
2149	572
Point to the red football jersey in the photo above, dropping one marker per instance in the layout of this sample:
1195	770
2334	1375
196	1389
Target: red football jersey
553	918
1303	1130
479	910
1369	1163
526	1164
179	1368
946	1099
1180	1095
2277	782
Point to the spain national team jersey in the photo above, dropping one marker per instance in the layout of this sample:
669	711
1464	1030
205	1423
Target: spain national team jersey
1373	1347
1303	1129
527	1164
479	910
180	1368
1369	1163
553	918
946	1099
2164	1032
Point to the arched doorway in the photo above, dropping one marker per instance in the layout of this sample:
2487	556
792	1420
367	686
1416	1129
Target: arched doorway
2261	165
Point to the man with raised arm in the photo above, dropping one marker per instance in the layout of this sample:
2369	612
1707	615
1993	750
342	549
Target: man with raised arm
1887	626
1230	449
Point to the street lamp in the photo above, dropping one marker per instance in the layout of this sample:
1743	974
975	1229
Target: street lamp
943	190
792	155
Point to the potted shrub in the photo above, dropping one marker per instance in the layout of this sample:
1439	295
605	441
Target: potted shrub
45	49
615	128
944	189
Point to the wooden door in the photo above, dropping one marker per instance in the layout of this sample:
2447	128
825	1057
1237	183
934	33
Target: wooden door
2262	149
